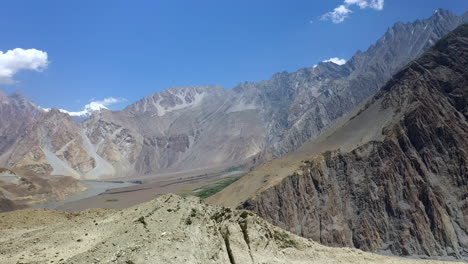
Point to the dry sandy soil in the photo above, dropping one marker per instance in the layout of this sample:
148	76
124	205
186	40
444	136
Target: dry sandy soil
169	229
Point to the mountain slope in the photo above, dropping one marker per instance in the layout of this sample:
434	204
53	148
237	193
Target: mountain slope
318	96
16	114
169	229
391	177
53	145
179	129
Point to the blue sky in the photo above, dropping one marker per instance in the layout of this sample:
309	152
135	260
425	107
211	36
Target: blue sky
130	49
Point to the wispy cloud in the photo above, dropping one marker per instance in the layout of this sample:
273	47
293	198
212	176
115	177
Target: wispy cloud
340	13
93	106
336	60
18	59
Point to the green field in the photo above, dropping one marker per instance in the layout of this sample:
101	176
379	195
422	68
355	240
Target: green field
209	190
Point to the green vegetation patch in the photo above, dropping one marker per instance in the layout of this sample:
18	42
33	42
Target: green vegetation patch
209	190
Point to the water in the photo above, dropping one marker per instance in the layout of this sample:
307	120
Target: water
94	188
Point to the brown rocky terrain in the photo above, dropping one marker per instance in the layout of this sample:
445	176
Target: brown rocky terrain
391	177
169	229
17	114
175	130
52	145
20	188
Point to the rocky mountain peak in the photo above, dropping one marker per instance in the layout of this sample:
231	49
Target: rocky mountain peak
441	13
57	115
173	99
19	97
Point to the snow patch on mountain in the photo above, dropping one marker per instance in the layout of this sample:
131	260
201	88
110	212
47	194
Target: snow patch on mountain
91	107
242	106
336	60
182	102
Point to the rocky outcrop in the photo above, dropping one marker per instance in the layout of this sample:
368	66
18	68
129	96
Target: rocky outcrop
405	193
169	229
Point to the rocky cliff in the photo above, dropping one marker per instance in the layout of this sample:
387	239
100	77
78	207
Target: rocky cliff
394	174
169	229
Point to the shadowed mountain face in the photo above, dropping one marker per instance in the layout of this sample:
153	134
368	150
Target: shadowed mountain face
206	127
16	114
399	183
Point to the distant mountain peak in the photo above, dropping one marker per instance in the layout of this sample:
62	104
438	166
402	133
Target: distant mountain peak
87	111
173	99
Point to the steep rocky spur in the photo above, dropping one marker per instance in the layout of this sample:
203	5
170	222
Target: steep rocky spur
404	191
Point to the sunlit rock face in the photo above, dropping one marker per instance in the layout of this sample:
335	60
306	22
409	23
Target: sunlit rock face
404	192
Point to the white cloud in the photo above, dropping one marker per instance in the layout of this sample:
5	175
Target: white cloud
340	13
360	3
18	59
377	4
93	106
336	61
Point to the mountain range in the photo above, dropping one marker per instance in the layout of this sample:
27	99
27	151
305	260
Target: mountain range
205	127
390	177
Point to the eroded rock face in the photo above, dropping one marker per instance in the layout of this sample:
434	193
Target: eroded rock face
407	193
52	145
17	114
